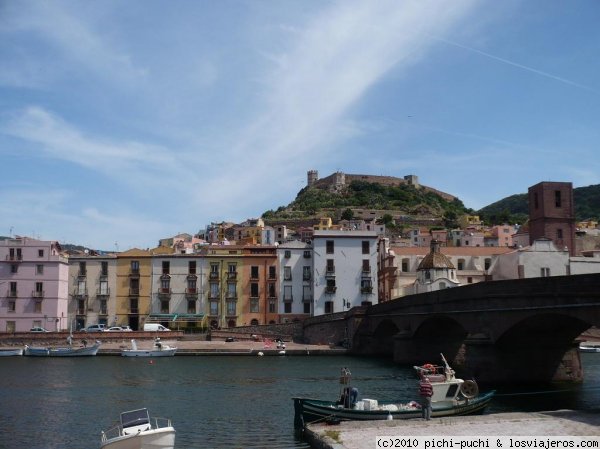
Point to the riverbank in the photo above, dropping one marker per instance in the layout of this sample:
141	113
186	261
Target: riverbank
362	434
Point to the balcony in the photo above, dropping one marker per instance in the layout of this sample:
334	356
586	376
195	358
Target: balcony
134	292
213	275
213	296
14	257
191	292
82	273
330	272
80	294
307	299
232	275
37	294
163	292
102	293
288	299
134	273
366	290
192	276
12	294
231	296
330	289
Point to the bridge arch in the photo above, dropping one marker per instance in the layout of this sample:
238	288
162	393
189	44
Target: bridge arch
439	334
383	337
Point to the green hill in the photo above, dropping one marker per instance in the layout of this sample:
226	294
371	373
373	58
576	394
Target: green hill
515	208
313	202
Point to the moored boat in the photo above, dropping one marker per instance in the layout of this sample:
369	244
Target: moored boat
158	350
137	430
10	352
589	348
67	351
451	397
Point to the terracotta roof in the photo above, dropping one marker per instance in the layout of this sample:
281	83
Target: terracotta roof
435	259
452	250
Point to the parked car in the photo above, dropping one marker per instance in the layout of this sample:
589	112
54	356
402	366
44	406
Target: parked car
95	328
118	329
155	327
38	329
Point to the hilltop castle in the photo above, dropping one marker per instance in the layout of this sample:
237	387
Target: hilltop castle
339	181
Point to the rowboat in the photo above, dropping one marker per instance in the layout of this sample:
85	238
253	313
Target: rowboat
10	352
137	430
67	351
451	397
158	350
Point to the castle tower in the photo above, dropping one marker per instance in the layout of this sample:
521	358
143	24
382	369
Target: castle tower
312	176
552	214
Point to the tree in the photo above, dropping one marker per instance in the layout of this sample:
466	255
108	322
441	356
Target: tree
348	214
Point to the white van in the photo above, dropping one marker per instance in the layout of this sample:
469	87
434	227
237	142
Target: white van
155	327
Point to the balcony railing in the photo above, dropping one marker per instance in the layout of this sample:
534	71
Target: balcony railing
80	293
213	296
105	292
37	294
12	294
213	275
366	289
191	292
134	273
330	271
330	289
231	296
14	258
134	292
82	273
232	275
288	298
164	291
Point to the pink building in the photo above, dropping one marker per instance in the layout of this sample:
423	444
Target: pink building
503	234
33	285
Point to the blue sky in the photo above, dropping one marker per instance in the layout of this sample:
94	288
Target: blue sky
125	122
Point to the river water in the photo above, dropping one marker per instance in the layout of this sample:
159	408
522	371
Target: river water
214	401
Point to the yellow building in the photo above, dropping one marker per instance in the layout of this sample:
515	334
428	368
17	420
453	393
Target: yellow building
134	287
465	221
325	224
223	302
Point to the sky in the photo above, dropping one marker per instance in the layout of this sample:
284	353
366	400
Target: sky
124	122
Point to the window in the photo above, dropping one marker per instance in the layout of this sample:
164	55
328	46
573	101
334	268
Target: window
545	272
166	267
192	267
191	306
254	272
329	246
487	264
306	293
231	268
287	293
11	306
254	305
40	253
557	198
39	269
103	290
366	286
37	307
461	264
165	285
272	290
469	280
307	254
287	307
12	291
214	290
287	254
405	265
135	266
81	307
328	306
272	306
559	234
39	289
37	323
164	306
133	305
191	286
306	273
366	267
287	273
134	286
103	307
330	268
14	268
272	272
254	289
231	290
81	287
306	307
330	286
82	269
104	269
365	247
231	308
214	308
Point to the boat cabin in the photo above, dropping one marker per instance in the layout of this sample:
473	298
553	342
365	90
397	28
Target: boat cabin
135	421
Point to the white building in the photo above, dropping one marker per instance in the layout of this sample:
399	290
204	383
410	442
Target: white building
345	270
295	259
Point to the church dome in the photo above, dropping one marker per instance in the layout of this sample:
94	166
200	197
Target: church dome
435	259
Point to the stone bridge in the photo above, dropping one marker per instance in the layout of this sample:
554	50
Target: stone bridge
498	331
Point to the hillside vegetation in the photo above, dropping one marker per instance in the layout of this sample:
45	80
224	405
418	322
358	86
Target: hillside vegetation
515	208
405	199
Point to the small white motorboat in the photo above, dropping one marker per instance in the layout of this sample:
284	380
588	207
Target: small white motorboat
589	348
158	350
10	352
137	430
